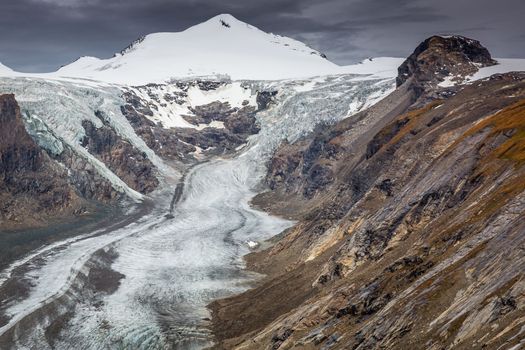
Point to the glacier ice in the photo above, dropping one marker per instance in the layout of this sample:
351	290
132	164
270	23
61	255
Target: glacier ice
174	267
53	112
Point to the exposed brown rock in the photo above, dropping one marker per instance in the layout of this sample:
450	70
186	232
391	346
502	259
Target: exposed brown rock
128	163
415	242
33	187
179	143
239	123
438	57
164	142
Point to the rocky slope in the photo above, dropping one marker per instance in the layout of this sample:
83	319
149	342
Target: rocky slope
411	230
129	164
32	185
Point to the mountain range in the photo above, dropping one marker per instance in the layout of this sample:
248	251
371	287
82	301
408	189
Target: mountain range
227	188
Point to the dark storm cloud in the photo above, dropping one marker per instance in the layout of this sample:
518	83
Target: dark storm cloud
40	35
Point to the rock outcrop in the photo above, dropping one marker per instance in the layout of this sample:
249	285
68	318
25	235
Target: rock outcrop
32	185
440	57
164	142
218	128
235	125
132	166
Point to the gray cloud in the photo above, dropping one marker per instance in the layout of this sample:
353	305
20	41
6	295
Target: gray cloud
41	35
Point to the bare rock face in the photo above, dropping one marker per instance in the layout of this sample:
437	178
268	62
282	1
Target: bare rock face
132	166
32	185
238	124
162	141
439	57
18	149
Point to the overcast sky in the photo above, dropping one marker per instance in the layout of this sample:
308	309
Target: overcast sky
41	35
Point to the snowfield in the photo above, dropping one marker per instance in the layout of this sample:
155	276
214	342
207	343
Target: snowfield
222	47
505	65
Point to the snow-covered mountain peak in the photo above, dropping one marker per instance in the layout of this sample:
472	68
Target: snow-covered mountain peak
220	46
223	21
4	69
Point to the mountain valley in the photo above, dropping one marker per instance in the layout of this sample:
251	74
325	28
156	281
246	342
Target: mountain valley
227	188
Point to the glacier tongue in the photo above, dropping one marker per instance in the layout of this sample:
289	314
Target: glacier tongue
172	268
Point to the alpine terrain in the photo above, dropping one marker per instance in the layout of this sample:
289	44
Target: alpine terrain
227	188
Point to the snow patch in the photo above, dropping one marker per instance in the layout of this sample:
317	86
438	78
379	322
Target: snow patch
214	124
505	65
234	93
448	82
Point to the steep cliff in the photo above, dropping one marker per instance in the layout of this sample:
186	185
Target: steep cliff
128	163
32	185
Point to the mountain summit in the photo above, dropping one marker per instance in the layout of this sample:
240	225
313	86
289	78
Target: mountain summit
4	69
223	45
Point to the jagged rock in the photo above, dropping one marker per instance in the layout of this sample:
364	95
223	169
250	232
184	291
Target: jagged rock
212	140
164	142
438	57
234	125
264	98
128	163
214	111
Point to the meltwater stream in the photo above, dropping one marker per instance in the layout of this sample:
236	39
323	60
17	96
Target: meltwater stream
170	266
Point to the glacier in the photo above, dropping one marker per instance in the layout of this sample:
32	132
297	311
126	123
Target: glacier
170	266
53	112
